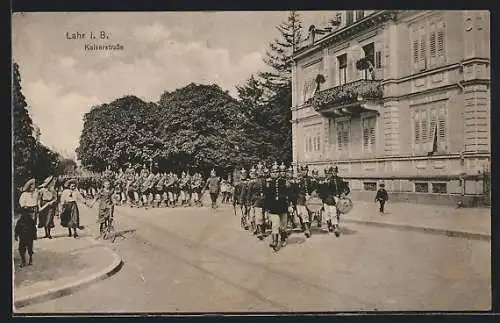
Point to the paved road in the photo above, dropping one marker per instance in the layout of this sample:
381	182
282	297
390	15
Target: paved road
188	260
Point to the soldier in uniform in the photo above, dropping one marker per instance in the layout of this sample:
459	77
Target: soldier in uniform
171	188
305	186
159	190
243	199
257	199
213	185
249	199
196	187
184	183
342	189
276	204
331	188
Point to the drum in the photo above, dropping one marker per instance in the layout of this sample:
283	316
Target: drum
344	205
314	204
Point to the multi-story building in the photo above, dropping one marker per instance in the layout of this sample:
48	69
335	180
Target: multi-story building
400	97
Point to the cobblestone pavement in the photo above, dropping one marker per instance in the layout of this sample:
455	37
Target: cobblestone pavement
188	260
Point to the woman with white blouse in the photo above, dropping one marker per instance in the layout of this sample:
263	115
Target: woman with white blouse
29	201
68	208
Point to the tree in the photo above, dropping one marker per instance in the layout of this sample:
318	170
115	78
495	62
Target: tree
67	166
206	128
24	144
198	126
116	133
267	99
281	50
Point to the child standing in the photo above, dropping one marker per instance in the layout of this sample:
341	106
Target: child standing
25	233
382	197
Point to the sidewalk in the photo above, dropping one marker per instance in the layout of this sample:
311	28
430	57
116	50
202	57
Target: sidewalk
472	223
63	264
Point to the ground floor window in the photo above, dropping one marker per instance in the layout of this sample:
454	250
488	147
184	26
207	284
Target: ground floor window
439	188
422	187
370	186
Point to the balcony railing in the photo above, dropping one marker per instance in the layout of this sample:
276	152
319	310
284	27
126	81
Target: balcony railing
361	90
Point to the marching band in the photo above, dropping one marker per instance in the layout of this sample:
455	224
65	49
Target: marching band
273	199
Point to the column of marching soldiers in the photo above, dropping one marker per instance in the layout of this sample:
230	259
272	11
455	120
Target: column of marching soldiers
268	197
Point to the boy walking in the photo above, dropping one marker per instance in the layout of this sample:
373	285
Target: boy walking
25	232
382	197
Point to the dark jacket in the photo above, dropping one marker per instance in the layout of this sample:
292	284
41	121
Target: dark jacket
382	195
276	196
25	228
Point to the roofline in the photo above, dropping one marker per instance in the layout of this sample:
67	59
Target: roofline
381	14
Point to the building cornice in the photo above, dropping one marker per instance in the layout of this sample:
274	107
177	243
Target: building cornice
437	89
444	68
374	19
402	158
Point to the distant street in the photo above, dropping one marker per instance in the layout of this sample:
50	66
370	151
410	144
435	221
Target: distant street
187	260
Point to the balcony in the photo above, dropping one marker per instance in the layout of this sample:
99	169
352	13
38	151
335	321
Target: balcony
348	99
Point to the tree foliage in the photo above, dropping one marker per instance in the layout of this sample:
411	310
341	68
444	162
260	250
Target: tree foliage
268	97
281	50
198	126
31	158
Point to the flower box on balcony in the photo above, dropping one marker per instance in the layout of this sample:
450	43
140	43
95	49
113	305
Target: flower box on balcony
347	94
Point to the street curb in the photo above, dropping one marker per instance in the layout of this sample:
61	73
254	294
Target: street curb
409	227
67	289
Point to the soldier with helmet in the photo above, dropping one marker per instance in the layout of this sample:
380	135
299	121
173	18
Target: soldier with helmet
196	187
304	187
276	204
331	189
257	200
213	185
243	199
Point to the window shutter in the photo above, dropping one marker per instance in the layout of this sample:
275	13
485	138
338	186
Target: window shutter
415	52
440	40
346	133
432	43
349	17
422	52
442	127
339	136
366	134
433	122
424	135
372	132
378	59
416	122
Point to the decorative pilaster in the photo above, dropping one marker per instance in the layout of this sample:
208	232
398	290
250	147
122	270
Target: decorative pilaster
390	119
476	119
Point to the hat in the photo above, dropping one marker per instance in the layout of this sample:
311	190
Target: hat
69	182
275	167
28	184
47	181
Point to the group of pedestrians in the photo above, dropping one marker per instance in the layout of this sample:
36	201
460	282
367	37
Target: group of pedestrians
40	205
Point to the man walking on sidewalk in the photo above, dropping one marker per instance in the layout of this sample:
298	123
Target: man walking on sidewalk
381	197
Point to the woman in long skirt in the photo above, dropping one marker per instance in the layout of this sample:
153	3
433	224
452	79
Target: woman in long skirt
69	212
29	201
48	200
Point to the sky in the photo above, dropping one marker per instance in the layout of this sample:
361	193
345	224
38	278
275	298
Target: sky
162	51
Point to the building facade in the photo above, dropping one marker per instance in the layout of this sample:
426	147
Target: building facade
400	97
